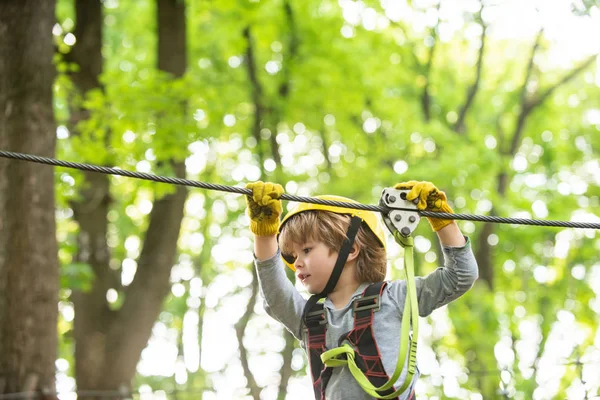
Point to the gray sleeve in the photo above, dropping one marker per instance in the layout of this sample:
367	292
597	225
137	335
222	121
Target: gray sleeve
281	299
445	284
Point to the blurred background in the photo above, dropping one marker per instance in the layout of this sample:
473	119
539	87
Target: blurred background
122	288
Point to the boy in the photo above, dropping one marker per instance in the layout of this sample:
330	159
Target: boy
339	253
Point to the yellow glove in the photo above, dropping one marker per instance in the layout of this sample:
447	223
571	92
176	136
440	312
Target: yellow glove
430	199
264	207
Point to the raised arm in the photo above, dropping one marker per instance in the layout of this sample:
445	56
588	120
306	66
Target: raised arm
460	270
282	300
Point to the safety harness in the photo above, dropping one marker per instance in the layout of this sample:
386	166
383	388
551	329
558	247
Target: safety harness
358	347
361	338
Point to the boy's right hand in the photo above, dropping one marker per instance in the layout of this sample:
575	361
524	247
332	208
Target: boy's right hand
264	207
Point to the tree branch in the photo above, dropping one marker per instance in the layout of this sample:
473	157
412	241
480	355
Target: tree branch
132	328
240	328
417	63
484	256
500	134
565	79
294	44
257	94
524	103
484	252
286	369
527	106
203	259
546	311
460	123
284	86
530	65
325	147
426	96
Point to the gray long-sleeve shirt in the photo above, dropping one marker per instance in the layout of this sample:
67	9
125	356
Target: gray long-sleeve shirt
440	287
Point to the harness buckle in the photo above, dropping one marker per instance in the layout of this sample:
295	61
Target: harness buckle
366	303
315	318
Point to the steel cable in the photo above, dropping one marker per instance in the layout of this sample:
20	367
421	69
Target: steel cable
289	197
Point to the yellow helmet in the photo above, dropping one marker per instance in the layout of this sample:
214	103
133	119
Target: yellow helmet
368	217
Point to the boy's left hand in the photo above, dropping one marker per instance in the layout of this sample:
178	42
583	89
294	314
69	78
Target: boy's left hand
430	199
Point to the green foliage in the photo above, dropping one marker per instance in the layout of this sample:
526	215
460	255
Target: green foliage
351	123
77	276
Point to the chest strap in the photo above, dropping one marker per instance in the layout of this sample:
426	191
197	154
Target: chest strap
361	338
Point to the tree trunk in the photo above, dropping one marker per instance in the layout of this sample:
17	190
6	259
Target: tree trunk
172	44
109	343
29	269
91	311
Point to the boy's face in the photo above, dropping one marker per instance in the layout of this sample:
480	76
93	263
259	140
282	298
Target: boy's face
314	264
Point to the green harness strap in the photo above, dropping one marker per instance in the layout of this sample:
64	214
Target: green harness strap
335	357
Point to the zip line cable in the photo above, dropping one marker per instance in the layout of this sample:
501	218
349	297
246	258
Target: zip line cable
289	197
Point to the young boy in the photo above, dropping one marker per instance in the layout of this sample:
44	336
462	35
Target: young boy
339	259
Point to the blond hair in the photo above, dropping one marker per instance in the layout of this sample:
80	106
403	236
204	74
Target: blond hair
330	228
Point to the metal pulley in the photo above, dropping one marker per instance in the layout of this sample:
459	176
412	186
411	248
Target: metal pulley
402	215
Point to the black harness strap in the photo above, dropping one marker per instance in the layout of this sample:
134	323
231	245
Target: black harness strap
345	250
316	325
353	228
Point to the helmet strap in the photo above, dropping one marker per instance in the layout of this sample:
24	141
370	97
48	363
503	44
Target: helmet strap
345	250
